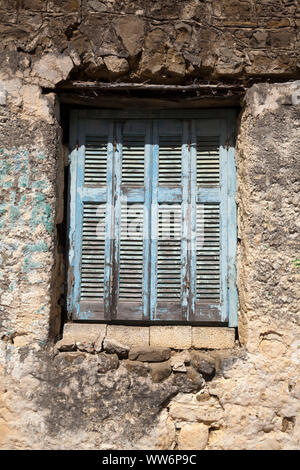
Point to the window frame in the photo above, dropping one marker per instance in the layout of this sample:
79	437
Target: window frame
78	121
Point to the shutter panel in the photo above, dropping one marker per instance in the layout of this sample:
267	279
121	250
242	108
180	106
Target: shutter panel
91	221
209	224
169	237
133	162
169	165
132	208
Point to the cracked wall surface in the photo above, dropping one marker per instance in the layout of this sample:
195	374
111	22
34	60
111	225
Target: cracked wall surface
99	393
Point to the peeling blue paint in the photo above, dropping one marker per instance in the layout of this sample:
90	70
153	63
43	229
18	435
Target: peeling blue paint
41	310
12	286
22	201
41	213
29	264
40	184
37	247
23	181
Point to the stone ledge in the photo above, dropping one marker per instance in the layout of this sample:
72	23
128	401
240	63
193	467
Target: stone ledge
129	335
213	338
174	337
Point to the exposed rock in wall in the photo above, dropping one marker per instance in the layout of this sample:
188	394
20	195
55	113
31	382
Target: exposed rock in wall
160	41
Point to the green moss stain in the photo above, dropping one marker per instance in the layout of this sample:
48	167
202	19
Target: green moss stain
5	174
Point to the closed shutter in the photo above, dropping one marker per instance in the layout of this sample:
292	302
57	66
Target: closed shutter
152	218
169	255
90	220
132	205
209	224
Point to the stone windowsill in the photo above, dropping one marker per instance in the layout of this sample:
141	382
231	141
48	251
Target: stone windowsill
174	337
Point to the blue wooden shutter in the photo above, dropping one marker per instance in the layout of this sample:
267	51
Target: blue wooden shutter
153	175
209	220
90	219
213	222
169	237
130	293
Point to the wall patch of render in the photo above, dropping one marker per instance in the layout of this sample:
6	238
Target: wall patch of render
29	158
253	400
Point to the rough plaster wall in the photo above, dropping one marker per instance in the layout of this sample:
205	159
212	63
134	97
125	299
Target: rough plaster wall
62	402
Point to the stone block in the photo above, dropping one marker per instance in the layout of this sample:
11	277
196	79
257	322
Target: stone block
203	363
149	354
129	335
189	381
193	437
160	371
116	65
107	362
180	360
212	338
114	347
175	337
85	337
207	411
137	367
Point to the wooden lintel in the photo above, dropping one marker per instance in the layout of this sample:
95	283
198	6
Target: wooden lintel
79	85
112	100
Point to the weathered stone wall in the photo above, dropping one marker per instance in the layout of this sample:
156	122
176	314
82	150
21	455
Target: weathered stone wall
86	394
156	40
